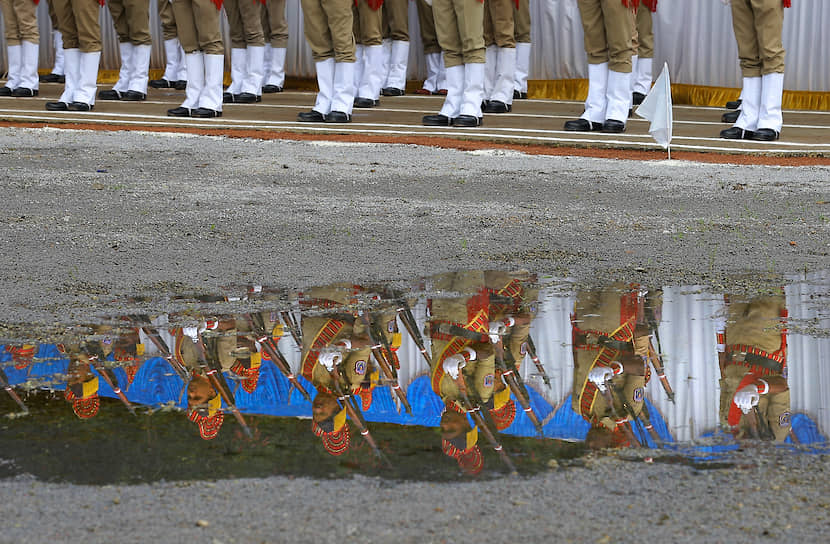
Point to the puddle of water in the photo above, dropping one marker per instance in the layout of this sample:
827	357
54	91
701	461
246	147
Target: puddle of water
462	374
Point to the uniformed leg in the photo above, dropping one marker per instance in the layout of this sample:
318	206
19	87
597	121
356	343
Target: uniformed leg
397	14
595	104
29	81
521	18
13	54
278	39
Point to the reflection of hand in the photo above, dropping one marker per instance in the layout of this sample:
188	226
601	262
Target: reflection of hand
747	397
598	376
498	329
453	365
194	332
329	359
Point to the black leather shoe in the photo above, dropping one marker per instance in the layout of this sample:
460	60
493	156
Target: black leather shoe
180	85
311	117
520	95
110	94
181	111
338	117
205	113
496	106
268	89
582	125
764	135
360	102
736	133
57	106
52	78
733	104
5	91
730	117
80	106
133	96
467	121
436	120
392	91
637	98
613	126
245	98
228	98
161	84
23	92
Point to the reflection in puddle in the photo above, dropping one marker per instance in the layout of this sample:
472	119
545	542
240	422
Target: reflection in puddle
465	373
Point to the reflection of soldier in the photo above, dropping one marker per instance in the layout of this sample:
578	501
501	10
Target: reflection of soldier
511	301
81	386
463	361
755	398
609	344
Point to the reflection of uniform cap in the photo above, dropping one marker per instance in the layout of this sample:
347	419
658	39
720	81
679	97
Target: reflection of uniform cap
84	398
209	423
21	355
504	409
334	432
248	370
464	450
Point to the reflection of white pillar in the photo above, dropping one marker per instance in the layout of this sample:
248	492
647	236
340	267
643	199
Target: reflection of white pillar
807	356
688	335
552	335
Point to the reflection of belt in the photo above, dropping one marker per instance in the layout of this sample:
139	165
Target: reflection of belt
443	329
582	340
751	359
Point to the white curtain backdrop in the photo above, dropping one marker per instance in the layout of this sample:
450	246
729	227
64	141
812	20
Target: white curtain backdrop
693	36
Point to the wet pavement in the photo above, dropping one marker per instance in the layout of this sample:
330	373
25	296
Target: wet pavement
459	375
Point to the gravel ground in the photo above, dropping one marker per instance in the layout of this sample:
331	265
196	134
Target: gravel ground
88	217
765	498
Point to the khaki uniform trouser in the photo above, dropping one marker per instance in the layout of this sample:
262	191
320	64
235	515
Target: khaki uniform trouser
396	20
132	20
368	24
758	25
608	27
644	34
20	18
274	24
427	25
498	23
521	17
168	20
459	25
78	23
327	25
52	16
245	23
197	25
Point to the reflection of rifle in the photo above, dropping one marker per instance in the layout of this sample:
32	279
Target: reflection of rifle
411	325
763	425
217	381
383	355
273	351
625	423
513	380
155	337
293	328
4	383
475	412
355	414
540	368
646	417
752	420
654	357
96	359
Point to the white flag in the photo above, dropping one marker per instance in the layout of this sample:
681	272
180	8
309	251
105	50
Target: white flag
657	108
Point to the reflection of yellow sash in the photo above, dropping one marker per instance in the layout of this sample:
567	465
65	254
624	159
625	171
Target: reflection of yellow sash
588	391
324	336
454	346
